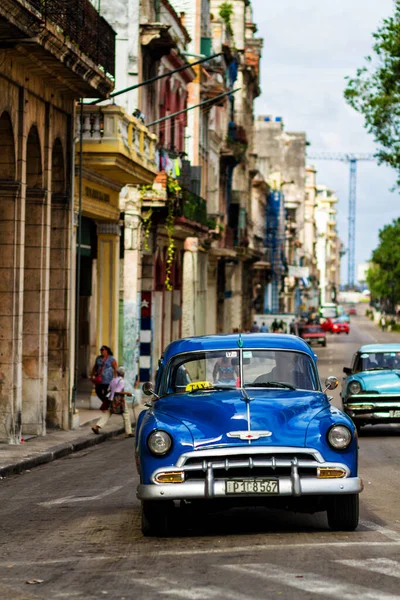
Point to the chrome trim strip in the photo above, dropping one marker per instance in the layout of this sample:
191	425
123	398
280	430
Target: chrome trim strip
370	405
253	450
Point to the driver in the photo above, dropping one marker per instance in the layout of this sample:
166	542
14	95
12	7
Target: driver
291	368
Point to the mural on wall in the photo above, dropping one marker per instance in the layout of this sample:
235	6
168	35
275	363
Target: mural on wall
131	342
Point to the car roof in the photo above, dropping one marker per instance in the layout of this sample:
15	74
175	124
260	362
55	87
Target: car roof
230	342
380	348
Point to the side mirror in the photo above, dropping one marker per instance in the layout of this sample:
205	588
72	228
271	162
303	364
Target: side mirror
147	388
347	370
331	383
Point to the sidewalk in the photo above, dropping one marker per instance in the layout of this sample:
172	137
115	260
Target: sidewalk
35	451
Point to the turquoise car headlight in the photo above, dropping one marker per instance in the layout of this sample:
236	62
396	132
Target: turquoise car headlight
354	387
339	437
159	442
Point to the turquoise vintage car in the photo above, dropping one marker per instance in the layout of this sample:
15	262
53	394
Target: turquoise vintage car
371	388
243	420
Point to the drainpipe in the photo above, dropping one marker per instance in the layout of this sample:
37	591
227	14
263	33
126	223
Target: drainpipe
78	264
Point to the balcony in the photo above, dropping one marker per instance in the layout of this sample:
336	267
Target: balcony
118	146
81	23
74	44
193	208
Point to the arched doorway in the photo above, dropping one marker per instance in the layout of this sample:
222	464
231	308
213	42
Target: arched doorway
57	367
34	336
7	155
10	396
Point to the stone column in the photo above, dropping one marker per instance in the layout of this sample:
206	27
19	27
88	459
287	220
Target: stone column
59	312
212	297
190	285
237	298
35	330
11	307
108	240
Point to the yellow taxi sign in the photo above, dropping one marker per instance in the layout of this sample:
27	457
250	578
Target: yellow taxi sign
199	385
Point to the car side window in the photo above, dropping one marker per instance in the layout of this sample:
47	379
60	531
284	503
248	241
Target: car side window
354	362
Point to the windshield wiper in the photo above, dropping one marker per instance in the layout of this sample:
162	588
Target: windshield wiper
378	369
274	384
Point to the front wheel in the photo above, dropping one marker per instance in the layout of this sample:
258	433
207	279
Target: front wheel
157	518
343	512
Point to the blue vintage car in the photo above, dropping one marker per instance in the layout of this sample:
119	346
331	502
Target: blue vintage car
371	388
242	420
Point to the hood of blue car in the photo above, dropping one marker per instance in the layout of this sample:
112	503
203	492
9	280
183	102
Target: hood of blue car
382	382
222	418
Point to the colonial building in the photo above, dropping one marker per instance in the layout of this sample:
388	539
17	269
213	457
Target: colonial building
328	247
52	54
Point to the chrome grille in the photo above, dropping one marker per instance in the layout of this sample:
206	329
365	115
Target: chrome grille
259	465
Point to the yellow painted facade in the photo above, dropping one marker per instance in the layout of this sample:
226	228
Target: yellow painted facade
118	150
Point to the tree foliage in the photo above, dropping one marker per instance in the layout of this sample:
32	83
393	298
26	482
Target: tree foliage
375	91
384	274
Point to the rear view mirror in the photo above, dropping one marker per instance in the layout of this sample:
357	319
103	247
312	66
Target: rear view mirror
148	388
347	370
331	383
235	361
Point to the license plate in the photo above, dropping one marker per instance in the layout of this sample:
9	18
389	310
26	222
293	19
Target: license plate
252	486
395	414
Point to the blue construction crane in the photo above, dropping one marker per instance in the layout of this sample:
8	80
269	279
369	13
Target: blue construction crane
352	159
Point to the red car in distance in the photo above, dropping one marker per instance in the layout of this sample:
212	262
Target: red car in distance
313	334
339	325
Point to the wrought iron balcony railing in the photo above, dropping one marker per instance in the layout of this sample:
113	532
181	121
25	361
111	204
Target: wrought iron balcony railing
82	25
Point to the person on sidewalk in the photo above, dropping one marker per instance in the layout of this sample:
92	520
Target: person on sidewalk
104	370
117	404
264	328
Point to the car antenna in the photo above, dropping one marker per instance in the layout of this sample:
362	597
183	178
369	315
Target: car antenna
245	395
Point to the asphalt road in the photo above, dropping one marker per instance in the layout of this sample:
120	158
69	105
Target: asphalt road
74	526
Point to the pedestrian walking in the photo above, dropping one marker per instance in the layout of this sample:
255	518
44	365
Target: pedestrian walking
104	369
264	328
254	328
117	404
383	322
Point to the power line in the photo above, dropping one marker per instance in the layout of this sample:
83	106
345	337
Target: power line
180	112
157	77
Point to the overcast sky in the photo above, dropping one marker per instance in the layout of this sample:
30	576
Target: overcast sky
309	48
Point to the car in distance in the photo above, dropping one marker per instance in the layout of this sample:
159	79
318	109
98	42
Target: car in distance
371	389
338	325
352	311
242	420
313	334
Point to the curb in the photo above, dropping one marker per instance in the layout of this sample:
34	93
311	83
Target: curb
58	452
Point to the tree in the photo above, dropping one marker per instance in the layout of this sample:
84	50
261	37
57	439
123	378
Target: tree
375	91
384	274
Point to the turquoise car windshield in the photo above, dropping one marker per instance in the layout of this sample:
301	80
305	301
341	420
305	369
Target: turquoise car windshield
377	361
218	370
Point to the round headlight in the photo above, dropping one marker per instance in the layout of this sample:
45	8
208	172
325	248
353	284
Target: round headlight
339	437
159	442
354	387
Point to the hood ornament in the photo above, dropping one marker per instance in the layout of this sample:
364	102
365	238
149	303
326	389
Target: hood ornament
249	435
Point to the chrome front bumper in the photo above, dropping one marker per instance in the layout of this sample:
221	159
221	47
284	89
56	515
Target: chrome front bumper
373	408
211	485
196	490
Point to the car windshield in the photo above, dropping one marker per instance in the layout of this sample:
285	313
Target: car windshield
221	370
375	361
316	329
